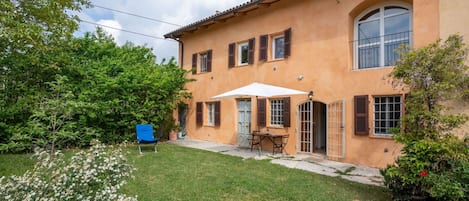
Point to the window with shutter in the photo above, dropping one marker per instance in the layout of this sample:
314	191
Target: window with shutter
217	113
361	115
199	114
231	55
286	112
251	43
263	41
194	63
287	42
209	61
261	112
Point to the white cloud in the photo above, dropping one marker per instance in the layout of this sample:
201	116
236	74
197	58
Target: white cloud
180	12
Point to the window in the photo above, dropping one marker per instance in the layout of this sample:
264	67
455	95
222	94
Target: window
387	114
210	114
278	44
243	49
276	112
379	32
203	62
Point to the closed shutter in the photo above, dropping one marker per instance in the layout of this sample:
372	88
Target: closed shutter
287	42
361	115
263	47
194	63
251	50
261	114
209	61
231	55
286	112
217	113
199	117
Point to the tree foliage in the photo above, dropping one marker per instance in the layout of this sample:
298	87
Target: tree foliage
435	163
59	90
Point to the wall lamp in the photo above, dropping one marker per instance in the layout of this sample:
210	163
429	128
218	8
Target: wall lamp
310	95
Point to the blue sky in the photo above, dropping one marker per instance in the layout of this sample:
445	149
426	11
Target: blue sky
180	12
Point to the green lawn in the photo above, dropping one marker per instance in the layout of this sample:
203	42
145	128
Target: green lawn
180	173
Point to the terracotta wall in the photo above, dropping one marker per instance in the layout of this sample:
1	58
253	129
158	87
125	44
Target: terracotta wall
321	52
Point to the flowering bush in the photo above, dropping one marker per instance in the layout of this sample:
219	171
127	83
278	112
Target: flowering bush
94	174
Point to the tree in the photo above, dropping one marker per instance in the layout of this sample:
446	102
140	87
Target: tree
33	35
434	162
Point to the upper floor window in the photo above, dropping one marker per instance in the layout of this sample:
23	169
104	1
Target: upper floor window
243	53
379	32
203	62
278	47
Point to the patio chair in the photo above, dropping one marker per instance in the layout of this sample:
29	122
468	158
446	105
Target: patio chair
255	139
145	136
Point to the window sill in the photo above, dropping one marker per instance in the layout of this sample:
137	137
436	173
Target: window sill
276	59
275	126
242	65
384	137
209	125
372	68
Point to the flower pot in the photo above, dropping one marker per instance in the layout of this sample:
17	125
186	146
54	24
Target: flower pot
173	135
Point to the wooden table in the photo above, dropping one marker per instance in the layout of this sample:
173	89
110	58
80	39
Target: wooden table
278	140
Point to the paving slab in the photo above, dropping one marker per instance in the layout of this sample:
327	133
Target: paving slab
307	162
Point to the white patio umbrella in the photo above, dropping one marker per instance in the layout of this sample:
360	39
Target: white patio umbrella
258	89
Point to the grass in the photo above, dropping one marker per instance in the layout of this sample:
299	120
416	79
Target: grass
180	173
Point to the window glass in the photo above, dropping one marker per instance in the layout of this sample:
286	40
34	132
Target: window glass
387	114
243	53
211	114
369	31
203	62
278	47
396	24
371	15
391	10
276	112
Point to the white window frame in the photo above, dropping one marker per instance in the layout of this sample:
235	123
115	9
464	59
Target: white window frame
274	47
276	112
240	53
210	114
381	20
203	61
387	113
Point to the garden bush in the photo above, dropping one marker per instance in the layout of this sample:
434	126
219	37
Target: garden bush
94	174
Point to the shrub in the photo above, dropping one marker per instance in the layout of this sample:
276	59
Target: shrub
94	174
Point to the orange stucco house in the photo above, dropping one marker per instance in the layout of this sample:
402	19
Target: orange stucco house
338	51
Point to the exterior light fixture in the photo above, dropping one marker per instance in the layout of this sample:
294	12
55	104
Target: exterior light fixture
310	95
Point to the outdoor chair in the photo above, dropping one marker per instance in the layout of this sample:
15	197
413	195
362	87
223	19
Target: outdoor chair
255	139
145	136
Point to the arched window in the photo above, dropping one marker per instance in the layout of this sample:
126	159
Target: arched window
379	31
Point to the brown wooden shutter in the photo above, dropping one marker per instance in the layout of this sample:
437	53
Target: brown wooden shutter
199	117
231	55
287	42
263	40
361	115
209	61
286	112
261	114
251	50
217	113
194	63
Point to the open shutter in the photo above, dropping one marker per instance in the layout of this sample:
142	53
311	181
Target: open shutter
199	114
209	61
361	115
217	113
261	114
251	50
231	55
263	47
287	42
286	112
194	63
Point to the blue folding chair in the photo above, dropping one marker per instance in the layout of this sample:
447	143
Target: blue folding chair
145	136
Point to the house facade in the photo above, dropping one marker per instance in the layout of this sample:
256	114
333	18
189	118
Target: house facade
338	51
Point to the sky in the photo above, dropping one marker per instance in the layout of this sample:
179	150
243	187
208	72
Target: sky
180	12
